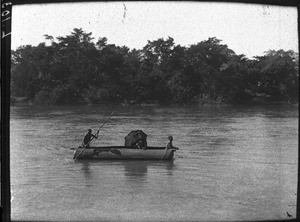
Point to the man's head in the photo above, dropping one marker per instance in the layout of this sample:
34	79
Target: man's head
89	131
170	138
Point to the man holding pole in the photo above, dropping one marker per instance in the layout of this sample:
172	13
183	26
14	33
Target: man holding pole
88	138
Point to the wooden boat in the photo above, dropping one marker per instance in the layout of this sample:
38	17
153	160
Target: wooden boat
124	152
135	148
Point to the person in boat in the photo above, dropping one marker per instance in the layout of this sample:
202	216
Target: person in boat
170	143
88	137
139	144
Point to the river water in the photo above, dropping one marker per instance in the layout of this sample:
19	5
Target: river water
234	163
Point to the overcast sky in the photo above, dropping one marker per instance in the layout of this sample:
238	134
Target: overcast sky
246	28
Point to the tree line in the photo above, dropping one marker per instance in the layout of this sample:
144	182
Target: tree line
73	69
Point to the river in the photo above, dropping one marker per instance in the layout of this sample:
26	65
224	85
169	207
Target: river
234	163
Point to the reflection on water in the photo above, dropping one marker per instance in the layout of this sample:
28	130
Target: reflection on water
134	170
86	169
234	163
138	169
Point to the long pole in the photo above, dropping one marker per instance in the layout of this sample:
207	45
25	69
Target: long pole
102	125
95	134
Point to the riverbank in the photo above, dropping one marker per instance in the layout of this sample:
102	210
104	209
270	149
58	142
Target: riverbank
249	98
209	103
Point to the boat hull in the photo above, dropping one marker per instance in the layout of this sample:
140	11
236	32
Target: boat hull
123	153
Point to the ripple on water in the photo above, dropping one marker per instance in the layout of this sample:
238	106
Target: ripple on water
237	162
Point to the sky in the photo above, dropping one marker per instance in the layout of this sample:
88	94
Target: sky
249	29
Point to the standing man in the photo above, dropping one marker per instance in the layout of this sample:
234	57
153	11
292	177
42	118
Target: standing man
88	137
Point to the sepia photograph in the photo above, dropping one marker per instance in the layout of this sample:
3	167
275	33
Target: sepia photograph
153	111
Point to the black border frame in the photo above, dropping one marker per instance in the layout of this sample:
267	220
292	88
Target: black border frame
6	5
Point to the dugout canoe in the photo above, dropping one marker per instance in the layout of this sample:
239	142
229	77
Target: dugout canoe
123	153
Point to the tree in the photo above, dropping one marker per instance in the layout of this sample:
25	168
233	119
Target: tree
25	73
232	82
74	69
203	62
160	60
278	74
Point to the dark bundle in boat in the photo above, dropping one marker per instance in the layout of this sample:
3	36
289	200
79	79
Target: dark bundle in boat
134	136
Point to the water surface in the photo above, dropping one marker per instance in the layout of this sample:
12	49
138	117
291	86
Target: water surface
234	163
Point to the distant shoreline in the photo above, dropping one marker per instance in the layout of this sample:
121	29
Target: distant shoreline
21	101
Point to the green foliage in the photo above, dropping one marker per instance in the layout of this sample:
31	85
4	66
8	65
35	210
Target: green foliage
74	69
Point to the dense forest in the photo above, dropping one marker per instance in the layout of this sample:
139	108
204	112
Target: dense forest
75	70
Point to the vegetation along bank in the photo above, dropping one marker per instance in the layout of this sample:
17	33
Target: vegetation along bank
76	70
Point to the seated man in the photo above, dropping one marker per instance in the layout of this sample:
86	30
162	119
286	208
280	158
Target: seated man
139	144
170	144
